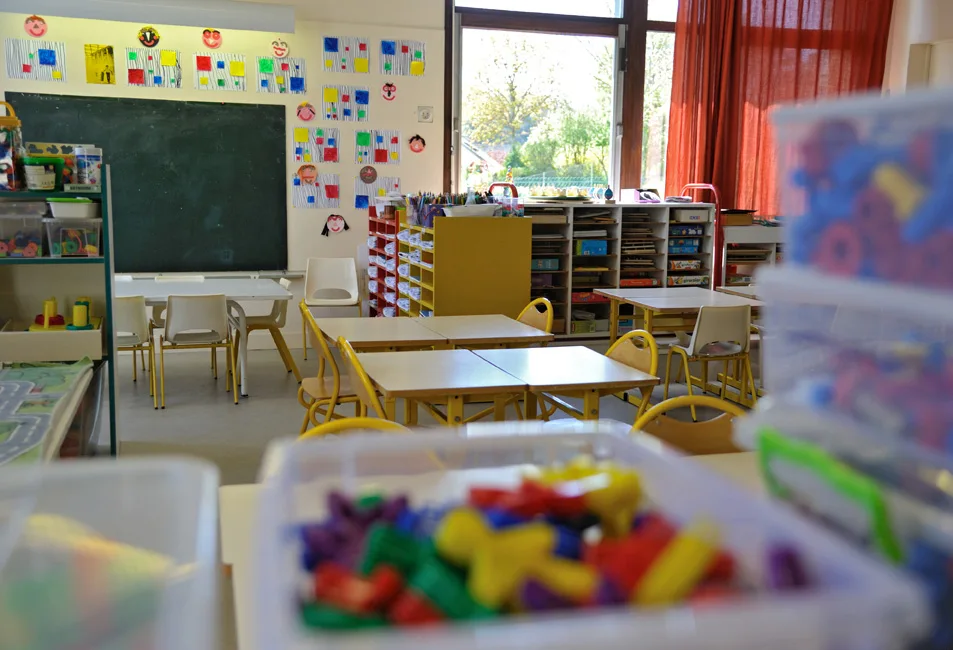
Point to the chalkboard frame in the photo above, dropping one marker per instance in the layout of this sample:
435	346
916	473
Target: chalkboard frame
207	229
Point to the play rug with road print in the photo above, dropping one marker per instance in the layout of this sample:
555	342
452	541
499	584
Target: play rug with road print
31	397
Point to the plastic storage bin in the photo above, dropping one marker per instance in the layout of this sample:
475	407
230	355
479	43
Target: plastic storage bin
857	603
75	209
689	215
162	506
74	237
866	186
21	235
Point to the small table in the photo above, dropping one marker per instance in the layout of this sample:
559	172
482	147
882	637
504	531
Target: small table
488	329
443	377
377	334
750	291
574	371
672	300
234	290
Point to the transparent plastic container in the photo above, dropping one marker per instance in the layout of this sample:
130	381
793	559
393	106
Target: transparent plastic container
856	603
167	507
21	229
866	186
74	237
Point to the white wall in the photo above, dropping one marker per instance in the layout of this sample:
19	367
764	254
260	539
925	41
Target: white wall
368	19
920	50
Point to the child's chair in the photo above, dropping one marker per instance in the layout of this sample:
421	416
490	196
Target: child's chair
133	334
709	437
323	393
352	424
362	384
273	323
540	319
330	282
721	334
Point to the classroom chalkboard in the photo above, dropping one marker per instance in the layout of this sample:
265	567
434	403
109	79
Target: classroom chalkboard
196	186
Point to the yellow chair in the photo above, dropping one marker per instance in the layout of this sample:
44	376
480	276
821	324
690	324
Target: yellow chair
541	320
624	350
352	424
721	334
133	333
323	393
272	323
361	383
697	438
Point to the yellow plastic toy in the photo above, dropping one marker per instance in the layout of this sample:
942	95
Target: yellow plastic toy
904	191
49	320
680	567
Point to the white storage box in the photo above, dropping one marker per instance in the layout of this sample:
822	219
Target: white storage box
74	237
855	604
689	215
166	507
75	209
487	210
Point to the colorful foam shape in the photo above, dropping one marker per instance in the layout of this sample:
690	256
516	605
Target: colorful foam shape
361	202
388	48
137	77
362	97
330	44
46	57
203	63
266	66
297	83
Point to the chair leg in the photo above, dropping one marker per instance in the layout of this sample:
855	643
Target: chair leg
142	357
704	376
688	382
750	373
234	372
304	340
162	370
285	352
134	369
275	333
306	422
214	362
724	383
668	373
152	375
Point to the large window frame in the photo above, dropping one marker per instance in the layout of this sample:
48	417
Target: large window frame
631	29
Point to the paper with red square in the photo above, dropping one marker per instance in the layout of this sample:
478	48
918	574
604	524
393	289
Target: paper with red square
325	192
405	58
220	71
317	144
35	60
154	68
375	146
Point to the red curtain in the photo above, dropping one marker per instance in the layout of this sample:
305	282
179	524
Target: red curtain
736	59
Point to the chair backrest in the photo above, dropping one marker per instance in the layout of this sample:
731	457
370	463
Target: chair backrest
626	350
360	383
541	320
129	317
331	277
722	324
709	437
180	278
319	343
352	425
196	313
279	310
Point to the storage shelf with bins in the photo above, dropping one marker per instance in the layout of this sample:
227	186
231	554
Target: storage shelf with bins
746	249
25	282
382	264
464	266
551	261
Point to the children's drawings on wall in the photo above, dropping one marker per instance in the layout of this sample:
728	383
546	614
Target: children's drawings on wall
306	111
347	103
280	75
279	48
346	55
378	147
316	145
406	58
212	38
35	60
364	193
219	71
313	190
148	36
100	64
35	26
153	68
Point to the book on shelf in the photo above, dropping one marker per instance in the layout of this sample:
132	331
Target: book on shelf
589	234
548	237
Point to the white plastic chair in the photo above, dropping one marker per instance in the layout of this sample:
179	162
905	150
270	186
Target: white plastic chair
330	282
721	334
197	322
133	333
273	322
157	319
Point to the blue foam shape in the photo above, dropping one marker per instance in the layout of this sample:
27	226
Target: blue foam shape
297	83
46	57
568	544
220	65
330	44
347	112
362	97
299	151
296	182
380	138
157	80
502	519
361	202
933	213
264	83
310	199
852	170
332	142
388	47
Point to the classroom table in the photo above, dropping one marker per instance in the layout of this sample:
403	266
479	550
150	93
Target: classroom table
574	371
234	290
444	377
238	511
750	291
671	300
484	330
380	334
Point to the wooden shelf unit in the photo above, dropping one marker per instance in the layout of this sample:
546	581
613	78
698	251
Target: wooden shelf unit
747	248
476	265
551	244
381	232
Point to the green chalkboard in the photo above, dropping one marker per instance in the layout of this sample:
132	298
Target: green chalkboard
196	186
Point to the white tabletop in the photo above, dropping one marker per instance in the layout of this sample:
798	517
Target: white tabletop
156	292
676	298
749	291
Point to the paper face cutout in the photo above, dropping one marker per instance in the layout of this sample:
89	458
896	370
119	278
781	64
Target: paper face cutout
35	26
149	36
417	144
389	92
306	112
212	38
279	48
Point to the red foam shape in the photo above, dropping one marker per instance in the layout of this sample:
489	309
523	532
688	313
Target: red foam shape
203	63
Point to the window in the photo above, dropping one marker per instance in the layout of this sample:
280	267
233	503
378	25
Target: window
664	10
659	57
538	106
592	8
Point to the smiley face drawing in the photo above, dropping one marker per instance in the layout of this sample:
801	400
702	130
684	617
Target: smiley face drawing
306	112
389	92
279	48
35	26
417	144
149	36
335	224
212	38
308	174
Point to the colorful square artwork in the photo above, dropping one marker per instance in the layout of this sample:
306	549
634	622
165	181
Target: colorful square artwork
365	193
35	60
316	144
100	64
312	190
405	58
346	54
220	71
281	75
144	70
374	146
346	103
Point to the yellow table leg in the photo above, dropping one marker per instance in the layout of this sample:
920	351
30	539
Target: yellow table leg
646	398
455	410
614	306
647	313
410	413
390	409
499	408
590	405
532	405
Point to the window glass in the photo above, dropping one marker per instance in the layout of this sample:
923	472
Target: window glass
597	8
